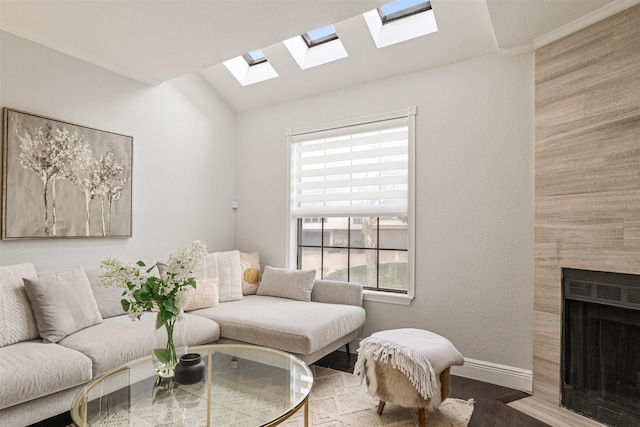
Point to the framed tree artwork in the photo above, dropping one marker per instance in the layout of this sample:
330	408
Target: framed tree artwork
63	180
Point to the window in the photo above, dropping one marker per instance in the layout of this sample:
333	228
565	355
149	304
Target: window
254	57
352	199
401	9
318	47
400	21
371	251
319	36
250	68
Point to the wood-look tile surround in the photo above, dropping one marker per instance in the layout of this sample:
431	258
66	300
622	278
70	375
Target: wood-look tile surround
587	171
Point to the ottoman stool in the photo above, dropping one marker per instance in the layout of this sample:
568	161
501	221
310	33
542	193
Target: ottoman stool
408	367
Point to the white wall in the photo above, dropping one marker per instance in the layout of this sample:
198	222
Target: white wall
474	233
183	173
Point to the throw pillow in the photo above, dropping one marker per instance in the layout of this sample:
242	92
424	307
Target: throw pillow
107	297
250	263
210	265
16	317
200	268
285	283
205	295
229	275
62	303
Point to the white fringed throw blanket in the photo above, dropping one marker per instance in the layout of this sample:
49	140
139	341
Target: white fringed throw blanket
420	355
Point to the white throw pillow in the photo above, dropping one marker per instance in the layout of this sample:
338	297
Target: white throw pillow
17	322
285	283
62	303
229	275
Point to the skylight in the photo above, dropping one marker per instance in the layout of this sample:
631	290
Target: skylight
319	36
400	21
389	24
251	68
254	57
316	47
401	9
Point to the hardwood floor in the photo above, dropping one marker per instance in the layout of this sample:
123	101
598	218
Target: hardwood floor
490	410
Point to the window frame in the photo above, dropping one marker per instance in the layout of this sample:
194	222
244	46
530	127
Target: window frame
300	246
403	13
311	42
254	61
291	250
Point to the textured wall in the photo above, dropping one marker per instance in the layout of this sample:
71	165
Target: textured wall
587	89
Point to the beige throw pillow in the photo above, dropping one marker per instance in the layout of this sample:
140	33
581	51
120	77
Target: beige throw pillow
205	295
62	303
250	264
285	283
107	297
16	317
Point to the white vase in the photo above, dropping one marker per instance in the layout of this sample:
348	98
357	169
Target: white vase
169	344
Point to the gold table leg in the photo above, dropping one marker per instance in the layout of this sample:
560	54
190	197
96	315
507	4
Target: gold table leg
306	413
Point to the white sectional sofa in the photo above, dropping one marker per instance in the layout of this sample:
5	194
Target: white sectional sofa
39	379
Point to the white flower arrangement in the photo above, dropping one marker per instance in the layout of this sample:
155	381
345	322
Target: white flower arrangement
169	292
142	291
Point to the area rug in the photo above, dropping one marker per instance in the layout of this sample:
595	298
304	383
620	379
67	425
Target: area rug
339	399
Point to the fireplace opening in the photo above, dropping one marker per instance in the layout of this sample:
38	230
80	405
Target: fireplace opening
601	346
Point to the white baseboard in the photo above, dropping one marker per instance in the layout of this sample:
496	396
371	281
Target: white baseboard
502	375
492	373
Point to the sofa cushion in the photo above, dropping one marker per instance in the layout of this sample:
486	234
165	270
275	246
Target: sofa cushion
17	322
287	283
107	297
32	369
119	339
62	303
289	325
334	292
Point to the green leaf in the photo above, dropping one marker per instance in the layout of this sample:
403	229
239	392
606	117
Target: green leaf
126	305
163	316
154	284
160	320
141	264
169	306
162	354
142	295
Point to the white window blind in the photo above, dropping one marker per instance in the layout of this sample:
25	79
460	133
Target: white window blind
355	170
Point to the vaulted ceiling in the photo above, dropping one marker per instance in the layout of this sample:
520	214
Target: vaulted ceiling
155	41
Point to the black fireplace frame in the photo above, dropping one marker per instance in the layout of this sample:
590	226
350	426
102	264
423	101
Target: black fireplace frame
611	291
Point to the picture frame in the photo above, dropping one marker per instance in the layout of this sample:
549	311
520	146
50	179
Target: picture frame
63	180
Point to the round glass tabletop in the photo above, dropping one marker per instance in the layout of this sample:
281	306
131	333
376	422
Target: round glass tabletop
243	385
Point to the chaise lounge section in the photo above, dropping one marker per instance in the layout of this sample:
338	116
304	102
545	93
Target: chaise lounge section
307	330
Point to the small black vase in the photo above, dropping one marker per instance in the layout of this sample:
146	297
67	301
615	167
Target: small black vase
190	369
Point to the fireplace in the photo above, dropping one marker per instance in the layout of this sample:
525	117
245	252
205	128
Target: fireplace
600	363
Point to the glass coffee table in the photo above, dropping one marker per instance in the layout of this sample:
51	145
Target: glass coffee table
244	386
